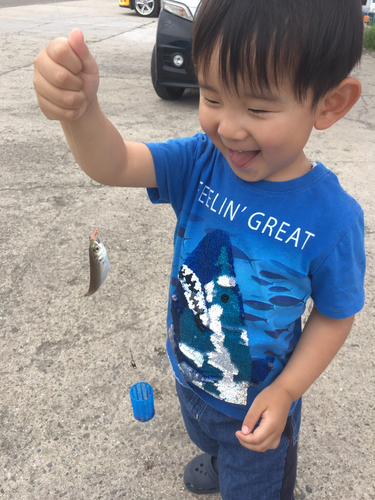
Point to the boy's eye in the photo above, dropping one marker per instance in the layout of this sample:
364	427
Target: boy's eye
210	101
257	111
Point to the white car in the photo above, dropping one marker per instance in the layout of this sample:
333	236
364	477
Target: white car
147	8
369	7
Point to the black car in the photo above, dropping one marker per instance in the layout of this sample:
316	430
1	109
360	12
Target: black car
171	67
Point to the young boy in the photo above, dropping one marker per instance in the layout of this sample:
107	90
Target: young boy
260	228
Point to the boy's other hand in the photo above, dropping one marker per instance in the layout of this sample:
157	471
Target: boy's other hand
66	78
272	406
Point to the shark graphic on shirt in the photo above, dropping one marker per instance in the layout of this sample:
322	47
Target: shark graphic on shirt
208	334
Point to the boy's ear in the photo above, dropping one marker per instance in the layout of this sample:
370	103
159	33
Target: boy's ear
337	102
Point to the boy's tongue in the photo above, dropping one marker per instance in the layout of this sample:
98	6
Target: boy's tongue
240	159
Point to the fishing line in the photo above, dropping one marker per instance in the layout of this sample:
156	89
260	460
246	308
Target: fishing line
143	405
67	36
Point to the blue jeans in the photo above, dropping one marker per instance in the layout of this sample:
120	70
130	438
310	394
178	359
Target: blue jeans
243	474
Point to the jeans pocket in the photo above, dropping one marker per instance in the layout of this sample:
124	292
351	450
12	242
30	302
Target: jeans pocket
190	401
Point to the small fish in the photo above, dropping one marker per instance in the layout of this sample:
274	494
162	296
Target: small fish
181	230
252	317
99	264
279	289
289	270
286	300
257	304
271	353
291	345
275	334
239	254
260	281
272	276
289	336
195	218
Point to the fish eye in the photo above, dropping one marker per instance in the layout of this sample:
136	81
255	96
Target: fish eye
96	248
224	298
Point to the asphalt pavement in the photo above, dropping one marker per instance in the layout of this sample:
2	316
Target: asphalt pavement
67	363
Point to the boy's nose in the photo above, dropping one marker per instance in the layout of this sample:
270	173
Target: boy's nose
231	128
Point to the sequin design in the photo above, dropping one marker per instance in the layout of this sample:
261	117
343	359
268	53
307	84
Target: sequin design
208	333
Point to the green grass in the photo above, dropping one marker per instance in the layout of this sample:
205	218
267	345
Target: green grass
369	38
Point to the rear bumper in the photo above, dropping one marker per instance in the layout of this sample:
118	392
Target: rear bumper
174	37
124	3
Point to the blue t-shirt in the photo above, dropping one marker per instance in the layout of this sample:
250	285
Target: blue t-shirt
247	257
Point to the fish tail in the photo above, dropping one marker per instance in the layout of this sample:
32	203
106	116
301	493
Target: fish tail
87	294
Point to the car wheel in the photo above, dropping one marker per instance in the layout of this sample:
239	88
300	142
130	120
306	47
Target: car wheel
146	8
168	93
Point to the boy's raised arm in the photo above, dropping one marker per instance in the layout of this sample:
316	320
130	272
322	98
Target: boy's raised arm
66	81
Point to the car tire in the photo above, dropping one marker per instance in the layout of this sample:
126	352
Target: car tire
149	9
167	93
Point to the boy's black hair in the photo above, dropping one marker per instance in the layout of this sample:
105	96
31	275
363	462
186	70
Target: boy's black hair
315	44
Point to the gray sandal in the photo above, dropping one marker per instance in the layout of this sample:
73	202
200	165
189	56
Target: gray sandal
200	477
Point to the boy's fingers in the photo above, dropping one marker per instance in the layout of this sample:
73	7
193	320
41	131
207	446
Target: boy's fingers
57	75
254	438
252	417
78	45
54	112
262	438
65	78
60	52
269	443
65	99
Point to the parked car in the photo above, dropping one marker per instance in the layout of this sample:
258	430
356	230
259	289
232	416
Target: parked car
368	6
171	67
145	8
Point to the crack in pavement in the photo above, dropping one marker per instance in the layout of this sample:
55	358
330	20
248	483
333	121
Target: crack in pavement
26	66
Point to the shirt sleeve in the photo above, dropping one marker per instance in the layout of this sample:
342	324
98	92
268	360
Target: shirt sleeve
174	162
338	283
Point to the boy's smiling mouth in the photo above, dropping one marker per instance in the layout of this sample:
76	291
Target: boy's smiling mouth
242	159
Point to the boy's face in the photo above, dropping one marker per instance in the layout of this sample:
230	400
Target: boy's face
261	135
